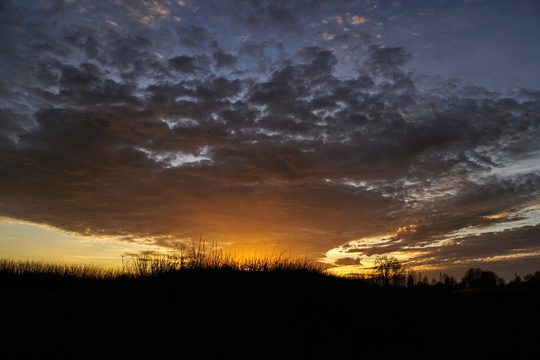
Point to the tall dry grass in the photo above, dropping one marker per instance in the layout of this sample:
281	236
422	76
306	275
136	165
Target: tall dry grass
79	271
200	256
197	256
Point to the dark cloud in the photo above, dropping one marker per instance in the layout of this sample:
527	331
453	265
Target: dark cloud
194	36
348	261
12	127
221	58
187	64
388	58
282	15
181	131
506	252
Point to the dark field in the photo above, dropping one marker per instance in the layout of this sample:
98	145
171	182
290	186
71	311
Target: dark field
272	314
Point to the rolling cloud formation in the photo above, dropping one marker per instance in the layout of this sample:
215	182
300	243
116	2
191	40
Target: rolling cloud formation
251	122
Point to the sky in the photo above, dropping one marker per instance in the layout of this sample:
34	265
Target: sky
337	130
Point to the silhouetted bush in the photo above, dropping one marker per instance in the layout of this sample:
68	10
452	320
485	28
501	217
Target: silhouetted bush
478	278
532	280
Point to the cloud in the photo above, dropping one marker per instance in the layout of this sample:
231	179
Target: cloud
348	261
221	58
280	15
356	20
388	58
194	36
187	64
171	133
510	245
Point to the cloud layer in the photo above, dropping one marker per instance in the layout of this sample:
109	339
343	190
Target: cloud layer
158	120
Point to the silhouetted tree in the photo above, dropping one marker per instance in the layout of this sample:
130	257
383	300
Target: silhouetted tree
446	280
415	279
476	277
532	280
389	271
516	281
411	282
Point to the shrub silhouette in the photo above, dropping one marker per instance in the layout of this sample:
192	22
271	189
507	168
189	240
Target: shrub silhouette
478	278
532	280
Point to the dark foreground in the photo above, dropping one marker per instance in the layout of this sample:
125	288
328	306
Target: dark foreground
260	315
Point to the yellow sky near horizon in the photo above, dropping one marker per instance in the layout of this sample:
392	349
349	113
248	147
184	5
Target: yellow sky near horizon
27	241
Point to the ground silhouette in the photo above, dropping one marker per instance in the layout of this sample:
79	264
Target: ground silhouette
273	314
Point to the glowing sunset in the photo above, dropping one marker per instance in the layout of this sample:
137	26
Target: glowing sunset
336	130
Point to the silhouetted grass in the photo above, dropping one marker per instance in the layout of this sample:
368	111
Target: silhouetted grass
213	306
37	268
146	264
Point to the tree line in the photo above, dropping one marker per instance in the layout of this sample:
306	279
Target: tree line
390	272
